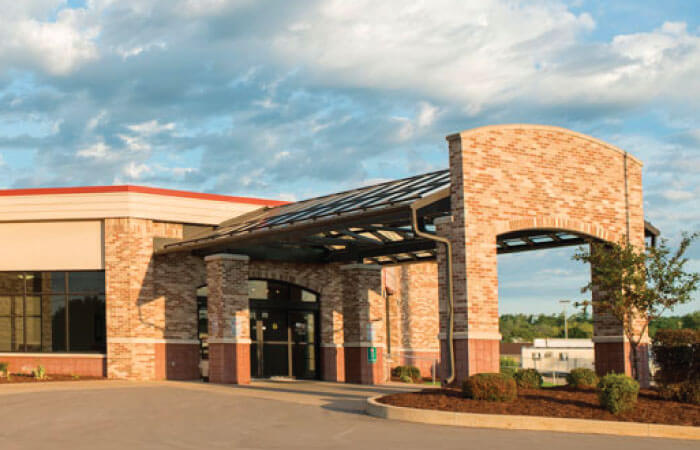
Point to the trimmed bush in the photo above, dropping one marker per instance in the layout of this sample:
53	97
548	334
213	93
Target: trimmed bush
4	368
528	379
582	378
494	387
669	391
689	392
508	365
617	393
677	353
412	373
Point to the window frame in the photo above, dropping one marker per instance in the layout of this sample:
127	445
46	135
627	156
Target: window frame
66	293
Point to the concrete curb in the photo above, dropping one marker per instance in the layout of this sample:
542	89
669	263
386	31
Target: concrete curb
533	423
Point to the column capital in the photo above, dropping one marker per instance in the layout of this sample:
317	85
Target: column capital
226	257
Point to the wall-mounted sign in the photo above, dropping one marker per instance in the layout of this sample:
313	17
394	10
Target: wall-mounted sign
372	355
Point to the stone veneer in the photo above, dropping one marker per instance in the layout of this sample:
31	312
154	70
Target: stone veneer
151	309
503	179
517	177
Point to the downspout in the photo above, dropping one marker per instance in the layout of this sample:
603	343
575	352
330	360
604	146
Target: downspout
450	327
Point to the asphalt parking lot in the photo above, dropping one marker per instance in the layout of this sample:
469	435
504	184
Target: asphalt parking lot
123	415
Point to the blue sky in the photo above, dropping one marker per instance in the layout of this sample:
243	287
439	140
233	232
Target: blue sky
295	99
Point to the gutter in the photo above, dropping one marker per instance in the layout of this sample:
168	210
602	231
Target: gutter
415	206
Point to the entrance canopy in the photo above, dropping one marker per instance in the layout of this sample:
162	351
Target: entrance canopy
371	224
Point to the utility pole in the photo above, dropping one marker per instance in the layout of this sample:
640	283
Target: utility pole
566	324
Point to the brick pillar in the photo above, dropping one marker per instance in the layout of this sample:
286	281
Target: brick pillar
229	318
474	277
364	324
613	352
332	350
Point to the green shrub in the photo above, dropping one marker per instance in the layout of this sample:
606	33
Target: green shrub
669	391
677	353
39	373
582	378
528	379
495	387
4	367
617	393
410	372
508	365
406	379
689	392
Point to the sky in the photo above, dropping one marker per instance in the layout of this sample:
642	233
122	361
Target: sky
289	100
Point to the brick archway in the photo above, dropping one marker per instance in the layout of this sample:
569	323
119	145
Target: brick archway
313	277
506	178
558	223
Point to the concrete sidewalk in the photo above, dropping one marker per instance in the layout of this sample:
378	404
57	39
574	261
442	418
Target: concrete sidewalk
266	414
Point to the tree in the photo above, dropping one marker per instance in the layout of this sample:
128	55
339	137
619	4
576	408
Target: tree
636	286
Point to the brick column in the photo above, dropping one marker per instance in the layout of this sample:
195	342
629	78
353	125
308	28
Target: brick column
229	318
474	276
613	352
364	323
332	350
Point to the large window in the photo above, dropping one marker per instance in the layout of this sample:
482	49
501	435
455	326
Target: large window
52	312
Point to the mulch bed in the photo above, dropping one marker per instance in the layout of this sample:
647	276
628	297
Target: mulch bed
552	402
21	378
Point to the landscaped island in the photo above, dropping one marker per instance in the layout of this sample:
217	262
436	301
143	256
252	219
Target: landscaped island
561	401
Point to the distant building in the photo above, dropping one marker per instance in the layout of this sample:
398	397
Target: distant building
513	349
558	355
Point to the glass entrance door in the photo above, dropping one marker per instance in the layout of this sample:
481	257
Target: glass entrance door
283	343
302	326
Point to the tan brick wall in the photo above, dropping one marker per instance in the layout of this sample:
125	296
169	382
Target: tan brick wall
135	308
413	315
507	178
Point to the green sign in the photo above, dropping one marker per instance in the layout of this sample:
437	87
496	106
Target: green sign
372	354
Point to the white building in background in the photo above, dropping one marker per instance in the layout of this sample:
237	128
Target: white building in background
558	355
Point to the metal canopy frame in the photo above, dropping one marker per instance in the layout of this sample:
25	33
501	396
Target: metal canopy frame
371	224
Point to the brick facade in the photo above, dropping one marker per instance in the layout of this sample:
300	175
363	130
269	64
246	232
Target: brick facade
413	315
150	302
503	179
516	177
229	318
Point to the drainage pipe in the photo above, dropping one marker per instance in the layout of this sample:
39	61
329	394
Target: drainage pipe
451	319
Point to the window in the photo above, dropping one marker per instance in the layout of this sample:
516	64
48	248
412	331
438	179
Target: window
52	311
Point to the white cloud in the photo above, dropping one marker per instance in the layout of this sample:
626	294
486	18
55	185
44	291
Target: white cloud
425	117
672	194
136	171
486	53
98	150
151	127
28	39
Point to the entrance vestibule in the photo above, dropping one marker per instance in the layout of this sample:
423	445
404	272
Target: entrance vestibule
284	330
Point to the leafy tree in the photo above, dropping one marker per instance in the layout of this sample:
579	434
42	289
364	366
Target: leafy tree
636	286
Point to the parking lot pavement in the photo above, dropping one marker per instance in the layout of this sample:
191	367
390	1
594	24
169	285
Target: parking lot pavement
111	415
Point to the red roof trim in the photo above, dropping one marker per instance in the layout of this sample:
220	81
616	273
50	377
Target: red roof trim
141	190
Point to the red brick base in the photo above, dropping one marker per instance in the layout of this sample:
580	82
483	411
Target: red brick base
229	363
333	364
177	361
425	361
59	364
359	370
617	357
471	356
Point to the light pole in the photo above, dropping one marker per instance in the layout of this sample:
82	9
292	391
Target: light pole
566	324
